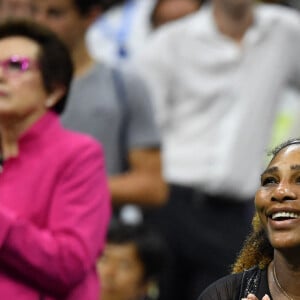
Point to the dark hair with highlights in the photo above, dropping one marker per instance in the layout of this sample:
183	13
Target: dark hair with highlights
257	249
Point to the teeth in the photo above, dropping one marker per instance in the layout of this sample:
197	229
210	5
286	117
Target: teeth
285	215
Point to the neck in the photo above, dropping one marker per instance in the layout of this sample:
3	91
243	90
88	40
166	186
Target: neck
9	141
233	21
10	131
285	279
82	59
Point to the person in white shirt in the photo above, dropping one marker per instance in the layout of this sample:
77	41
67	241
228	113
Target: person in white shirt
120	32
216	78
110	105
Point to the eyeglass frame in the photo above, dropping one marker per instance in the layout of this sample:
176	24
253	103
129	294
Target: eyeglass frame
26	64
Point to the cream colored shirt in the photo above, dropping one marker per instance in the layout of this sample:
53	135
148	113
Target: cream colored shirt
216	100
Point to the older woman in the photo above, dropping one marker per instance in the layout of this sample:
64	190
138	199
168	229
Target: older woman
54	200
268	266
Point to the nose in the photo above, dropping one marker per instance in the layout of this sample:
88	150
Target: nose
39	17
283	193
107	269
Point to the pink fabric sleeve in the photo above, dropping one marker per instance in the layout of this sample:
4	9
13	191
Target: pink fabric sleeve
56	258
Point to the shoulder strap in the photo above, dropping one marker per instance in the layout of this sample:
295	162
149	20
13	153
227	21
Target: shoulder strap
250	281
124	107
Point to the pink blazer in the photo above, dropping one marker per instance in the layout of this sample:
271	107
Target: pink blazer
54	212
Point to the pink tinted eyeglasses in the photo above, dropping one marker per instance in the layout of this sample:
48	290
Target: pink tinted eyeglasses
15	65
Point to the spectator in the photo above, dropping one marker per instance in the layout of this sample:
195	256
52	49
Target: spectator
286	124
118	34
111	105
54	195
132	262
216	78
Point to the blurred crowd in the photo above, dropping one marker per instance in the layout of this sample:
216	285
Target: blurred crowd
185	97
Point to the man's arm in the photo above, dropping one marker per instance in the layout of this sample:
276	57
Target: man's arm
143	183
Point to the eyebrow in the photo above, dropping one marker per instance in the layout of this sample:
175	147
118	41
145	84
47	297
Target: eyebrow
275	169
269	170
295	167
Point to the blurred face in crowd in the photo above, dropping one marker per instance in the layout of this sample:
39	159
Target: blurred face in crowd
169	10
63	17
122	273
234	7
15	8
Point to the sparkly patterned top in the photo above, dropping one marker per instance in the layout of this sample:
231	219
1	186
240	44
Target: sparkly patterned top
237	286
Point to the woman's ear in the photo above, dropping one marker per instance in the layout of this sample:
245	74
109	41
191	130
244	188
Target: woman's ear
54	97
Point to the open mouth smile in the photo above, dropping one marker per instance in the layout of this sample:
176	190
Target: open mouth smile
284	215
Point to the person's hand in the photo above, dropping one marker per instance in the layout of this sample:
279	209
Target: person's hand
253	297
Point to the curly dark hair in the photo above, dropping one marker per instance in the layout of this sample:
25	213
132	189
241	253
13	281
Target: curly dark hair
256	250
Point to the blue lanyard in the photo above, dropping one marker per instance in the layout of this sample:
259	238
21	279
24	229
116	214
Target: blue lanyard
121	33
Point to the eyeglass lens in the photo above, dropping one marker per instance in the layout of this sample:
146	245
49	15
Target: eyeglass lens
15	64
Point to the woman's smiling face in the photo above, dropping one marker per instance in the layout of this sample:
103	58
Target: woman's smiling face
278	199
